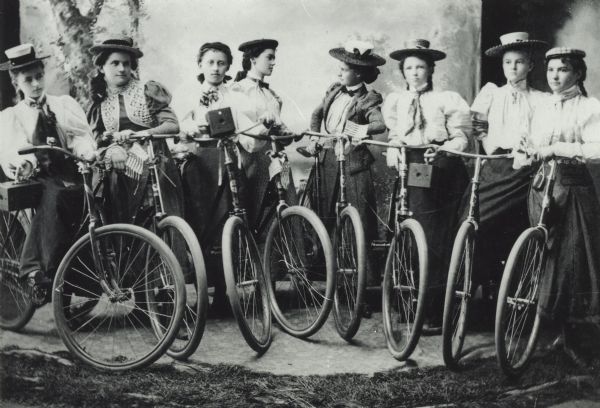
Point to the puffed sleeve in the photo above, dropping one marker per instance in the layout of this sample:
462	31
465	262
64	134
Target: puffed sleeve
12	139
239	102
589	148
372	108
158	99
483	100
390	114
458	121
76	129
94	118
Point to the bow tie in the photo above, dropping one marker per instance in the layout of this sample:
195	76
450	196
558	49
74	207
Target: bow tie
349	92
36	103
261	84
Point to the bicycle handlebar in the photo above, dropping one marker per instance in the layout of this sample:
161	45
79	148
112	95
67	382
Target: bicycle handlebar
34	149
476	156
409	147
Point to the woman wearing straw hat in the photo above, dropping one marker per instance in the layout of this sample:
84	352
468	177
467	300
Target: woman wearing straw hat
566	126
36	118
420	115
263	106
346	101
122	106
501	119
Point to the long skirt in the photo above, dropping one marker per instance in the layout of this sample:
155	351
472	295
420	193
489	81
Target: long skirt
436	209
570	286
503	215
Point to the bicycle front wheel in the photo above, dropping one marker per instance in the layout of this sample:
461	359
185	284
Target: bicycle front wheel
246	285
137	287
458	295
299	264
517	320
178	234
16	306
404	289
351	256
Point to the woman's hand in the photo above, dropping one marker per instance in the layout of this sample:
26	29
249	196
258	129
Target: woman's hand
431	153
268	119
544	153
117	157
22	169
88	156
392	157
313	146
122	136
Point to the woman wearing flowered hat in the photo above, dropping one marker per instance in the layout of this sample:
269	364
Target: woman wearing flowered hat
567	127
33	121
501	120
263	106
421	115
346	101
122	106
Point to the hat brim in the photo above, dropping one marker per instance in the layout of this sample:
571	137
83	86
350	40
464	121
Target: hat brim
7	66
370	60
498	50
435	55
264	43
136	52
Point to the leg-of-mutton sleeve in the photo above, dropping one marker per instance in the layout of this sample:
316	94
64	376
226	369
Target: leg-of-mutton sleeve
588	149
458	121
371	105
481	108
13	137
158	99
75	128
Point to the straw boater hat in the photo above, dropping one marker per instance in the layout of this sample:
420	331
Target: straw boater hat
20	56
515	41
263	43
557	52
357	53
117	44
417	47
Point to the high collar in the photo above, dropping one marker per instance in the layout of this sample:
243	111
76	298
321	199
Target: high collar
205	86
36	102
520	86
567	94
122	89
423	88
355	87
250	75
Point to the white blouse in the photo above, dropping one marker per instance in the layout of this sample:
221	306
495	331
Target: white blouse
447	118
508	111
571	126
225	98
18	123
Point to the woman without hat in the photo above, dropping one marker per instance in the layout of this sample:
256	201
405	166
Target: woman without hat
566	126
36	118
420	115
346	101
123	106
264	106
206	189
501	120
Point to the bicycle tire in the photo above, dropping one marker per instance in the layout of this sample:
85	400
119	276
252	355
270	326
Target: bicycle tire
120	245
401	343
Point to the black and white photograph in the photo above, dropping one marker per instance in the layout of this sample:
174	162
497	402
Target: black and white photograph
300	203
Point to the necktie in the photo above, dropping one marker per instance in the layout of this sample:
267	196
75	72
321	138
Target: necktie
49	162
415	112
349	92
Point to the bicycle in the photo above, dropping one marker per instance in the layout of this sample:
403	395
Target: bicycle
406	270
459	288
180	237
516	328
100	286
349	243
298	256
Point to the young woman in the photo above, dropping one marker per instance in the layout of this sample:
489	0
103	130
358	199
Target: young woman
567	127
501	119
123	106
420	115
345	101
205	184
263	106
36	118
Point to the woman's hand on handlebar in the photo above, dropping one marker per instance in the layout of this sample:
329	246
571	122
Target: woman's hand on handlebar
313	146
431	153
268	119
22	169
116	156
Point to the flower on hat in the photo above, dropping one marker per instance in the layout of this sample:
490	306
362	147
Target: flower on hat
359	47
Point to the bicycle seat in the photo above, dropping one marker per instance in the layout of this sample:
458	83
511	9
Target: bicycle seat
304	152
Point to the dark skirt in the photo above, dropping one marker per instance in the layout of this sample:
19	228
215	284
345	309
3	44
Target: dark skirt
570	286
503	215
436	209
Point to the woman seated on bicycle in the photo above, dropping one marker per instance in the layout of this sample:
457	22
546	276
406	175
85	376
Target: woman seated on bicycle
123	106
416	116
33	121
263	106
501	119
567	127
345	101
205	184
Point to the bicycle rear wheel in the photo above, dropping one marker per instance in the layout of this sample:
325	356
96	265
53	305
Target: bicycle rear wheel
299	264
404	289
351	256
176	232
16	306
139	298
517	320
458	295
246	285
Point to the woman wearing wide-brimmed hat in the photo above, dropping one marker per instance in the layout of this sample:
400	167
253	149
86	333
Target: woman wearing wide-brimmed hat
421	115
566	126
349	100
36	118
122	105
263	106
501	119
